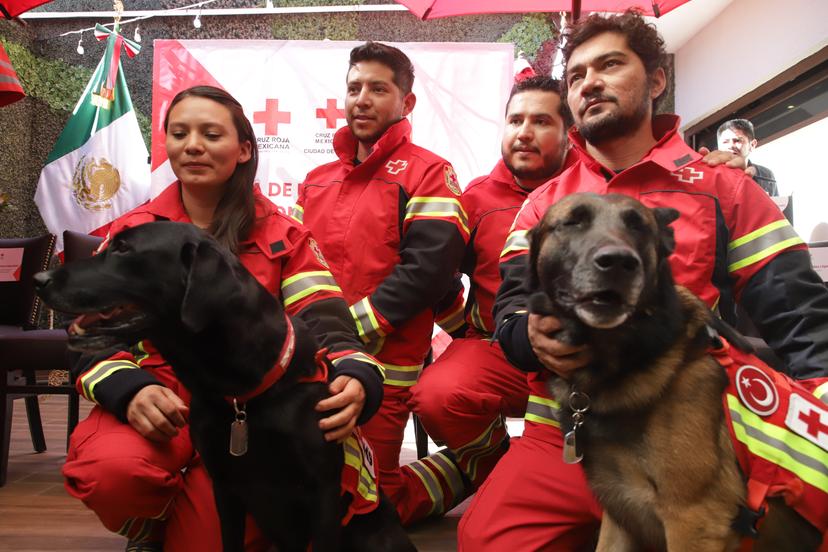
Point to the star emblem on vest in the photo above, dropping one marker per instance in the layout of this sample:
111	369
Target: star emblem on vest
688	175
757	390
271	117
396	167
451	180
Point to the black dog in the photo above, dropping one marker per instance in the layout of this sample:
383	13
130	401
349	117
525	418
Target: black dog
646	415
222	332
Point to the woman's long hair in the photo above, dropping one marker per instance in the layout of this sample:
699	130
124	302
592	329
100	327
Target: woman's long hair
236	211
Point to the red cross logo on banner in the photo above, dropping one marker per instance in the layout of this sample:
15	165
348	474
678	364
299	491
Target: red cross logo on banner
809	419
688	175
330	113
395	167
271	117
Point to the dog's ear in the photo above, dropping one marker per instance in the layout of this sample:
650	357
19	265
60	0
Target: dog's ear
667	241
204	291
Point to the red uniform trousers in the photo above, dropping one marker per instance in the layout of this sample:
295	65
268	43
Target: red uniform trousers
141	489
429	486
532	501
462	398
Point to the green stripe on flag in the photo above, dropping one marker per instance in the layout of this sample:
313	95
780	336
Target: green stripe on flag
88	119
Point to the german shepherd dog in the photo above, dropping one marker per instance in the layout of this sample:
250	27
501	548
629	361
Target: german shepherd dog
221	331
646	414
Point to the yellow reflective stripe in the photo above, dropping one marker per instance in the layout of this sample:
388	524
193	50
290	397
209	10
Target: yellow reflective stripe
779	445
366	321
124	530
437	207
450	471
362	357
482	446
430	483
821	392
366	485
452	321
477	320
100	372
542	411
761	244
401	376
297	213
140	353
301	285
517	241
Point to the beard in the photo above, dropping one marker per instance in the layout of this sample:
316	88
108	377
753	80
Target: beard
615	124
550	166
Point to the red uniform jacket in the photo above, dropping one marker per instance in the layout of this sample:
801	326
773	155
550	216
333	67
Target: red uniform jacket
284	258
729	236
393	230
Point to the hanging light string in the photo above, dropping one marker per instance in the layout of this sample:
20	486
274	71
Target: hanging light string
198	5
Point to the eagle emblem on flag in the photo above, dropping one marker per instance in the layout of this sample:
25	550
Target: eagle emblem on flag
95	183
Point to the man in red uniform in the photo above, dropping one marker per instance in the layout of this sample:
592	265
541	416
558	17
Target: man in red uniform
730	237
389	221
462	398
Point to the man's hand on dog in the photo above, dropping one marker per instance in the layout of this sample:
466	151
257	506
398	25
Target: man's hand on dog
559	357
157	413
348	395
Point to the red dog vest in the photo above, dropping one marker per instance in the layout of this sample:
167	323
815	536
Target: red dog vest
779	430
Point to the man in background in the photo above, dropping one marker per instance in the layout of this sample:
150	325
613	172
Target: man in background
737	136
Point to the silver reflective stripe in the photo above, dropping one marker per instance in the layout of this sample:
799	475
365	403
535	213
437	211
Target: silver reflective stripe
450	470
781	446
401	375
516	241
761	244
307	282
540	410
431	484
361	357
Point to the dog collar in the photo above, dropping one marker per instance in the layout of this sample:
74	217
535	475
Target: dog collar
274	374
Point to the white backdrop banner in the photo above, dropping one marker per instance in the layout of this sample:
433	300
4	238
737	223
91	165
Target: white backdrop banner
293	92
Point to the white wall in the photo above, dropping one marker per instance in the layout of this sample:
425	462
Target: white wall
749	42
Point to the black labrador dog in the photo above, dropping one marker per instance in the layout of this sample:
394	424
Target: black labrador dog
646	415
223	333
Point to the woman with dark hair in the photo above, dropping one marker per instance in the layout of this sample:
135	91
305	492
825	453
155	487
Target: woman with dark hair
131	461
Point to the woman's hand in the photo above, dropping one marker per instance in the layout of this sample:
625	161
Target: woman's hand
157	413
348	395
555	355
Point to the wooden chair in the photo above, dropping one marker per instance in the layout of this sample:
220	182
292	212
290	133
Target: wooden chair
24	349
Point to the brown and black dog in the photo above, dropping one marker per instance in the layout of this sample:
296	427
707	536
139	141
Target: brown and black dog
656	448
221	331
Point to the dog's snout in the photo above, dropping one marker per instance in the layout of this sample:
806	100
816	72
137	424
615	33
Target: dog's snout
42	279
616	258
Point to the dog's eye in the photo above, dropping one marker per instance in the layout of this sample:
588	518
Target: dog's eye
634	221
119	246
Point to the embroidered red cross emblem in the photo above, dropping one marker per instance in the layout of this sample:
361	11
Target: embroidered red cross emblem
688	175
813	419
330	113
397	166
271	117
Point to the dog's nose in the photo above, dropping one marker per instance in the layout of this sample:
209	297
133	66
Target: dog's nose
613	257
42	279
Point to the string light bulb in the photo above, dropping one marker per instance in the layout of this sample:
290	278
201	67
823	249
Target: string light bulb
80	45
137	36
269	4
197	20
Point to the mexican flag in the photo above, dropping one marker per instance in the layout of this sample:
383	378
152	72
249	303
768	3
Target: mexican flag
99	167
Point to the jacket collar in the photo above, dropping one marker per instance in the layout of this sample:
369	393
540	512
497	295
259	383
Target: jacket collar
669	152
345	143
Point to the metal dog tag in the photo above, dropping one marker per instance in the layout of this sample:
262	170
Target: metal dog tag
238	438
238	431
570	450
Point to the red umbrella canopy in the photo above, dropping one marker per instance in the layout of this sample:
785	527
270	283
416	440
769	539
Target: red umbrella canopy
13	8
433	9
